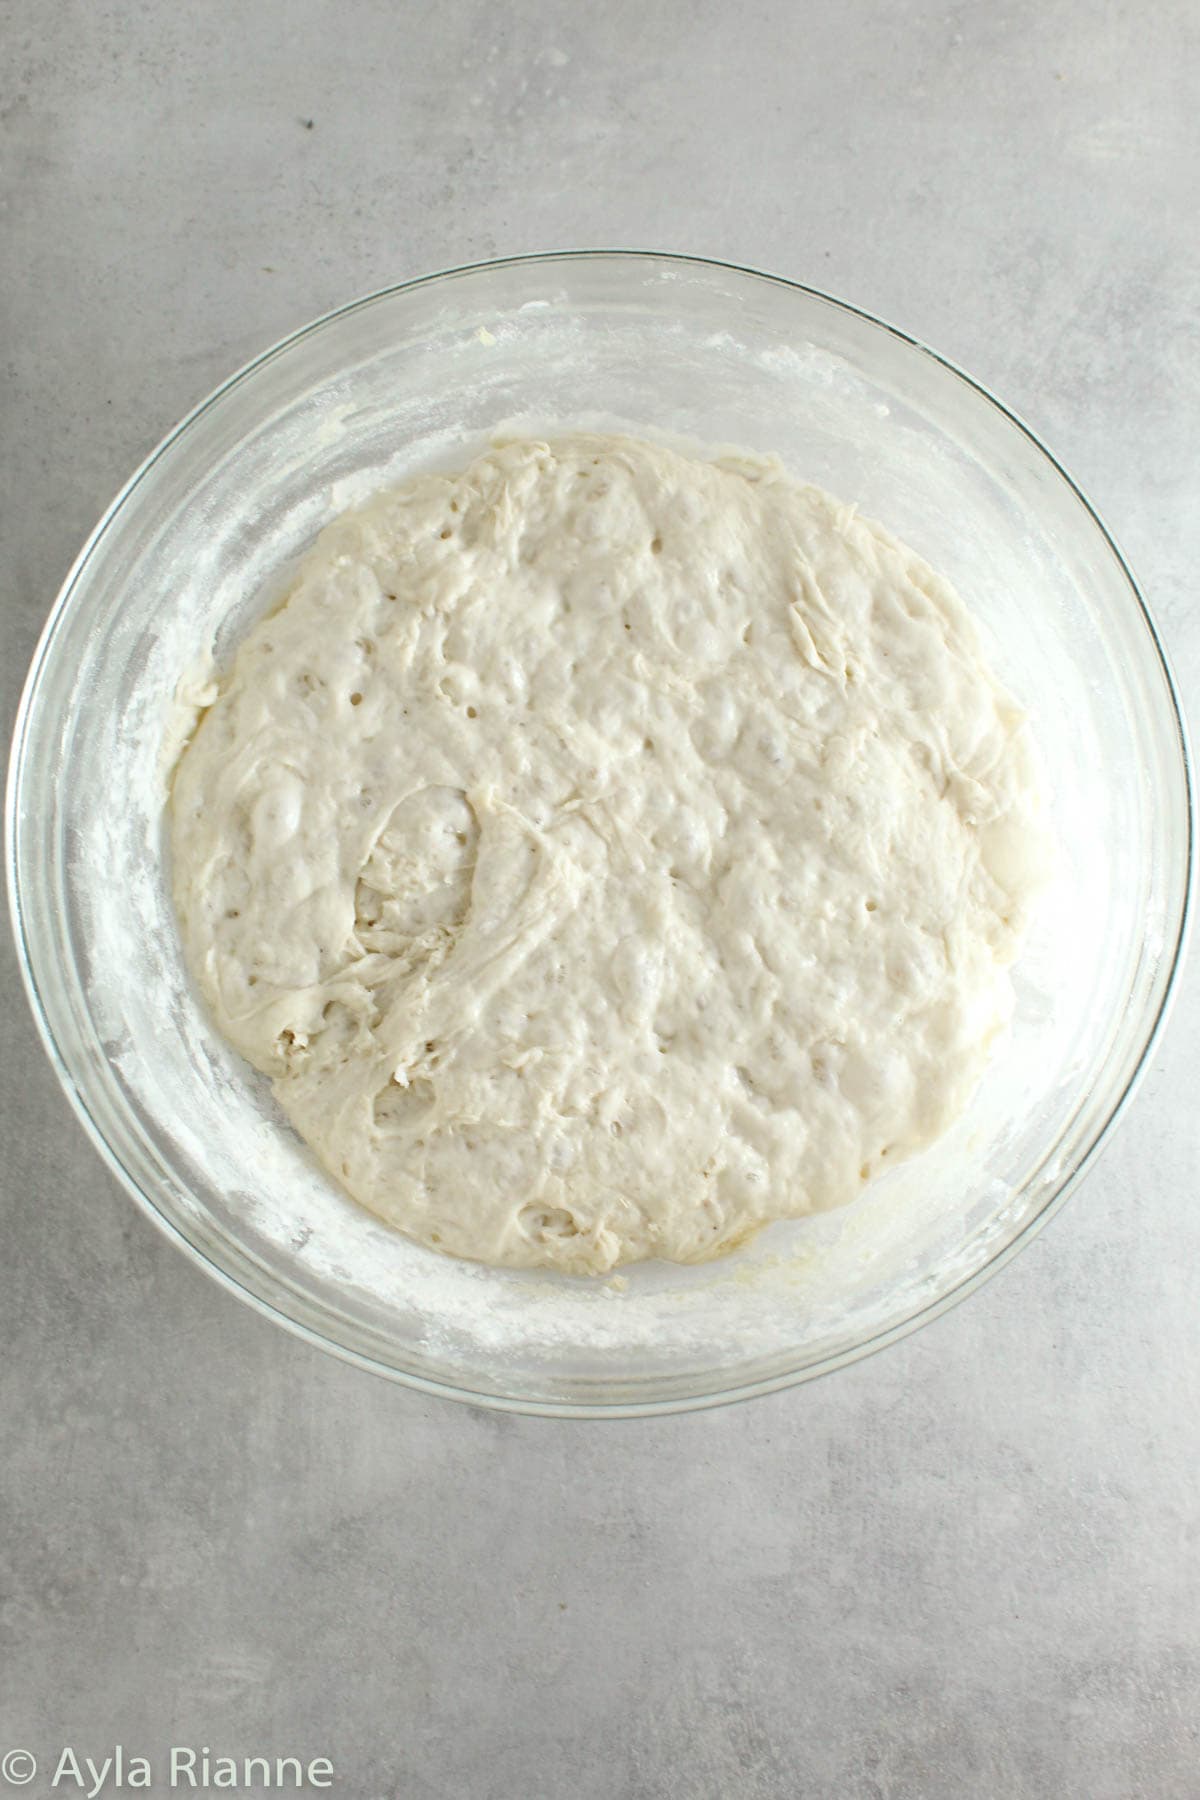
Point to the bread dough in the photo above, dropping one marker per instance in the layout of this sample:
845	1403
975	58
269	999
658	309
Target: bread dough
606	851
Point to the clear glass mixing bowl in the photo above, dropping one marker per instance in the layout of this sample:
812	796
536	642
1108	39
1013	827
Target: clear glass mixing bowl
420	376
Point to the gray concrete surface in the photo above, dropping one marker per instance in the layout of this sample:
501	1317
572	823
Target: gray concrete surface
967	1568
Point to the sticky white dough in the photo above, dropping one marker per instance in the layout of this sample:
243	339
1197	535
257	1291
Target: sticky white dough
606	852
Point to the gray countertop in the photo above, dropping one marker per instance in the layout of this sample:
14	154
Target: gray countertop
967	1567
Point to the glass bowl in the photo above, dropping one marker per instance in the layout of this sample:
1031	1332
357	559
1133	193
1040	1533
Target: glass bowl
420	376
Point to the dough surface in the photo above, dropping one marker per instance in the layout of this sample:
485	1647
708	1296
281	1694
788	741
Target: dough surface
606	852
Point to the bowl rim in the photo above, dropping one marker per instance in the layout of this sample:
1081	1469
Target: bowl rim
533	1405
